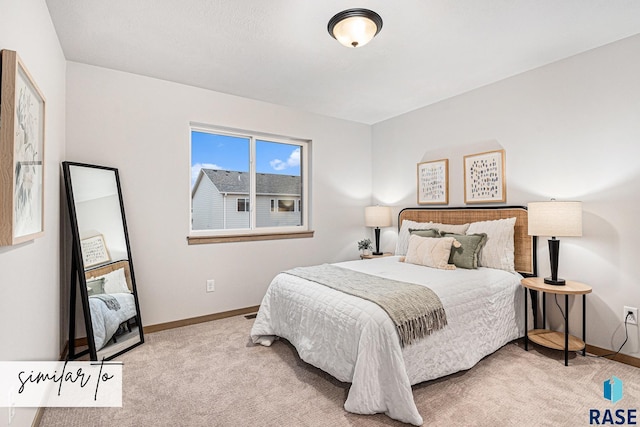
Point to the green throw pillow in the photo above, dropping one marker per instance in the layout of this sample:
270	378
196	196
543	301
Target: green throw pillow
95	286
466	256
428	232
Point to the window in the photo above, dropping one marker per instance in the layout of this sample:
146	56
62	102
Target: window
247	183
243	205
287	205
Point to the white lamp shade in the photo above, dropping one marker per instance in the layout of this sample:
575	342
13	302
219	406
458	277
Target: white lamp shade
377	216
355	31
561	219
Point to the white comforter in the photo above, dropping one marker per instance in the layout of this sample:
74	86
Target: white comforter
105	322
355	341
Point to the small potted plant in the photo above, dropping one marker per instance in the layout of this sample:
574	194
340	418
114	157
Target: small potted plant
365	246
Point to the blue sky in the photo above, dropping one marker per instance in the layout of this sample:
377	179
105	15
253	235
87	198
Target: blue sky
232	153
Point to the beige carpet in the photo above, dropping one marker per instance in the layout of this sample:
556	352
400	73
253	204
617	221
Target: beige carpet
210	375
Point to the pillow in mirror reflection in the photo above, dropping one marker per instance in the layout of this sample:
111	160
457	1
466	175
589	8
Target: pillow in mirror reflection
95	286
115	282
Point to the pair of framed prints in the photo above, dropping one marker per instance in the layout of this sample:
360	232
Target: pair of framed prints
484	179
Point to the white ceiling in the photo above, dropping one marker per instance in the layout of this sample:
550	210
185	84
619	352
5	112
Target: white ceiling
279	51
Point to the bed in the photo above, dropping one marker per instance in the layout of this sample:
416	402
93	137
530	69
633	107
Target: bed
111	301
356	341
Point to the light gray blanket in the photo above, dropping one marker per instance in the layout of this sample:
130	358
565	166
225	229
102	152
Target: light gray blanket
415	310
109	300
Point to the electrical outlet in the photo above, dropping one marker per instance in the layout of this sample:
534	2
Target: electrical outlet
211	285
633	318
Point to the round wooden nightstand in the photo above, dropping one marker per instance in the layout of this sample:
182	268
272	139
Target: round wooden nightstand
551	339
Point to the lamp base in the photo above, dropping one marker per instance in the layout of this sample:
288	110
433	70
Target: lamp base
556	282
377	233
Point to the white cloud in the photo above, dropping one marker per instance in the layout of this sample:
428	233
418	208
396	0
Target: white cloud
292	161
195	170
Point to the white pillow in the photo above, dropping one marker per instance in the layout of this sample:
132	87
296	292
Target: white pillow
403	236
431	251
450	228
498	251
115	282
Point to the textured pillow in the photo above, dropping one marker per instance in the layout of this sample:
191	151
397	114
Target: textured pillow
466	256
450	228
429	232
403	235
115	282
95	286
430	251
498	251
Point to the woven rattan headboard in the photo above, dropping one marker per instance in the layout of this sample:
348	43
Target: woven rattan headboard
102	270
525	245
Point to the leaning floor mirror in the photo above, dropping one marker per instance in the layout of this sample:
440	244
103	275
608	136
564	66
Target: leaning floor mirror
102	267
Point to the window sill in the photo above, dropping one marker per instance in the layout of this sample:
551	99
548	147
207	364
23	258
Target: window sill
202	240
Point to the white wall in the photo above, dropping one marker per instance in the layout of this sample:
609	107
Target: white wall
571	130
30	273
141	126
102	217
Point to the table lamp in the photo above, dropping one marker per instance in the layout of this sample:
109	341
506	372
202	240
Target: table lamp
377	216
555	219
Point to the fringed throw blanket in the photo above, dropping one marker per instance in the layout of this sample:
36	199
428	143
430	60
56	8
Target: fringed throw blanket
415	310
109	301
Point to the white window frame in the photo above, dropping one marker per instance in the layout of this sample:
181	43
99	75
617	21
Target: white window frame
305	171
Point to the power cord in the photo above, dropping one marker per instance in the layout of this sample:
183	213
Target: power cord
626	338
564	317
626	331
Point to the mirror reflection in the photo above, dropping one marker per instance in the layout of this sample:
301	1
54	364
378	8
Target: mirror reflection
113	309
102	261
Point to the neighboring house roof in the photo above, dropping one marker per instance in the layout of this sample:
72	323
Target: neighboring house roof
266	183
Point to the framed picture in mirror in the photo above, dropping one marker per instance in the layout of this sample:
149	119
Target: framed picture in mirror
21	153
94	251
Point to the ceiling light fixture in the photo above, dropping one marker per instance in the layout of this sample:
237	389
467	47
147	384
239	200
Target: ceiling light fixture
355	27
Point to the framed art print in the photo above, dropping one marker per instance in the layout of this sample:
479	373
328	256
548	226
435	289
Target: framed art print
21	153
433	182
484	177
94	251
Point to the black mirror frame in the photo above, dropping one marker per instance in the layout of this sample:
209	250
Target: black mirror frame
78	278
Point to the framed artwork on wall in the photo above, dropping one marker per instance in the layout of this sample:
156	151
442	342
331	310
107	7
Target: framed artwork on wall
484	177
433	182
94	251
21	153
